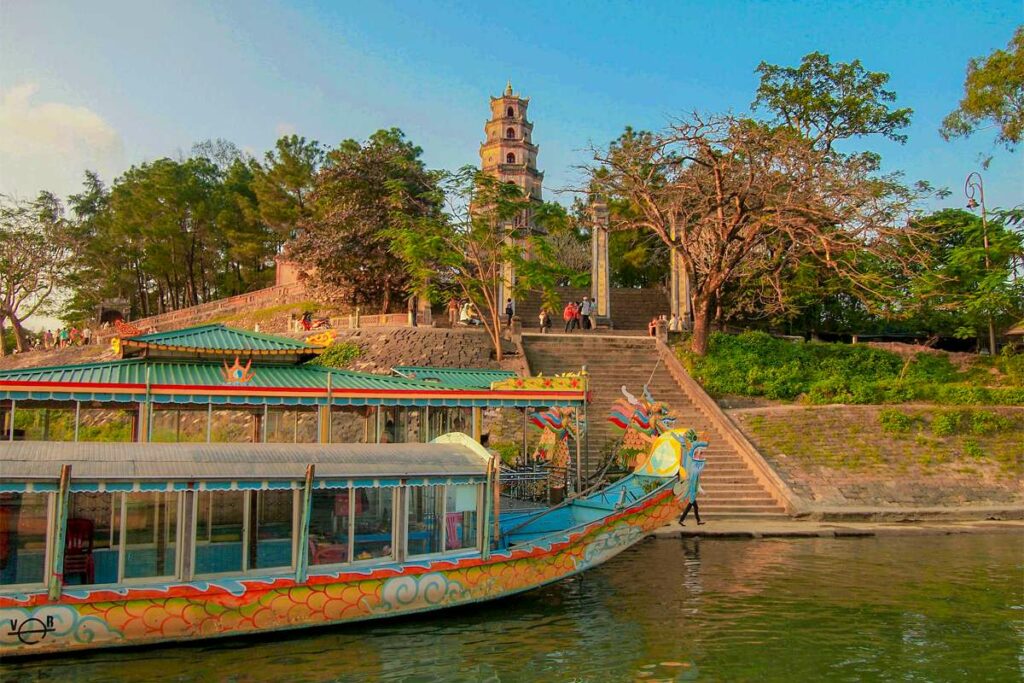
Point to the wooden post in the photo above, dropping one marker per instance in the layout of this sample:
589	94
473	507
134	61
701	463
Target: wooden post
58	530
485	547
302	560
78	417
478	424
324	423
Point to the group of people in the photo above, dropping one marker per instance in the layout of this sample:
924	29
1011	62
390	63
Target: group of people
462	313
576	314
65	337
674	324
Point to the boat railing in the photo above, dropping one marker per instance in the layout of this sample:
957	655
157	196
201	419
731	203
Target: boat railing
534	483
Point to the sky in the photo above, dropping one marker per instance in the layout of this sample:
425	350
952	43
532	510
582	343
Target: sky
103	85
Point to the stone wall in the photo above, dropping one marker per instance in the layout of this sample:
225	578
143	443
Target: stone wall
841	456
384	348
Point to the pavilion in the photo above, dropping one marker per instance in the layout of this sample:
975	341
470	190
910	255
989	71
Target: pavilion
214	383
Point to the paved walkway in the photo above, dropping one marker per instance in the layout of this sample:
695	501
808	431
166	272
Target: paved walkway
809	529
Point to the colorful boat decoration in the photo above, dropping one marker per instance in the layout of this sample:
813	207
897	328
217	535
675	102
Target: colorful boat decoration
105	545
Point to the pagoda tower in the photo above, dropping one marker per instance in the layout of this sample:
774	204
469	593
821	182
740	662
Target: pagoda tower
509	154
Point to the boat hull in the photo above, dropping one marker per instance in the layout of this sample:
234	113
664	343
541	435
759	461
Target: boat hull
30	625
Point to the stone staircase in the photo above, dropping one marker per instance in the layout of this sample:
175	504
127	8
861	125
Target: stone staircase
631	309
731	487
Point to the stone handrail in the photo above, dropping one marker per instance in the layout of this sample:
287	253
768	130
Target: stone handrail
793	503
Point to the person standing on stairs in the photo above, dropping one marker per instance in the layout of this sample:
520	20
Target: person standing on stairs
569	316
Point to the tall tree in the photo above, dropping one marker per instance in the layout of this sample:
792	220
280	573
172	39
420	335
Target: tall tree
284	183
361	190
993	94
35	250
741	200
464	247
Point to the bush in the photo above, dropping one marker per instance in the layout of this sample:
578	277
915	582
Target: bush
948	424
337	355
897	422
757	364
985	422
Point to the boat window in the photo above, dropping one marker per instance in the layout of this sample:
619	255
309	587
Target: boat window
270	529
91	551
329	526
150	531
461	516
23	523
374	513
352	424
220	521
426	512
291	426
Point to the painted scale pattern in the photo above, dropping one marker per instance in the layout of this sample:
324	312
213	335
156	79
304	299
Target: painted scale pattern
185	611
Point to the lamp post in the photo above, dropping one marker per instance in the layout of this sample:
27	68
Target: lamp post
974	187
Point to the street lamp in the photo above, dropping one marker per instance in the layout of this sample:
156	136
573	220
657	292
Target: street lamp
974	187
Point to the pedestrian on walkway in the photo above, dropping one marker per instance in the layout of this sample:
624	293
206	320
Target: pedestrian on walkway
569	316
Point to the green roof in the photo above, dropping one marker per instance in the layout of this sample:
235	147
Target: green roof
459	378
219	338
199	373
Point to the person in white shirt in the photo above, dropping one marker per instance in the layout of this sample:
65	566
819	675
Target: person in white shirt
586	309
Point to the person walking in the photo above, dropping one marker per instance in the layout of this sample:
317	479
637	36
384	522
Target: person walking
569	316
87	336
510	310
693	465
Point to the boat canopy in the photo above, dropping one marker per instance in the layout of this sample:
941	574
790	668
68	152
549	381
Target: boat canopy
222	465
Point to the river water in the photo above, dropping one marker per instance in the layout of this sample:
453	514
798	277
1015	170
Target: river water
926	608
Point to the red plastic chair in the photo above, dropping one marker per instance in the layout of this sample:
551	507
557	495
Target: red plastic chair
78	550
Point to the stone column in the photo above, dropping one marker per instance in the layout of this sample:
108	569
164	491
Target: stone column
600	272
679	289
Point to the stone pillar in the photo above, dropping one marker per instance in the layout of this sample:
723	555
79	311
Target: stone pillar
600	272
679	289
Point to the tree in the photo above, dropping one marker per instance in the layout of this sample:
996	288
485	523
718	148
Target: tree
284	183
743	201
34	253
826	101
362	190
463	248
993	94
958	294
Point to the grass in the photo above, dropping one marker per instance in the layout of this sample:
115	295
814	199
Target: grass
757	364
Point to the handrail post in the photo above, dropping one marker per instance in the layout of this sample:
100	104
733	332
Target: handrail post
302	560
58	530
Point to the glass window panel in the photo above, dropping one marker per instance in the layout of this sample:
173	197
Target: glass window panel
219	523
234	426
271	532
353	425
390	425
373	522
23	520
102	424
415	429
460	420
461	517
174	425
91	552
150	528
328	527
426	511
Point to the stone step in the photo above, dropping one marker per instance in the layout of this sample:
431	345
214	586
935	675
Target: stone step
726	507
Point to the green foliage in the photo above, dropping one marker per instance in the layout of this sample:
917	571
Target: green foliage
508	451
338	355
897	422
828	101
985	422
948	424
757	364
993	92
363	190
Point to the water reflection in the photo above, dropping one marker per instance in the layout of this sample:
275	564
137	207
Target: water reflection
921	608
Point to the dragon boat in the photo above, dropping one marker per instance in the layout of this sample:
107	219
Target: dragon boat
105	545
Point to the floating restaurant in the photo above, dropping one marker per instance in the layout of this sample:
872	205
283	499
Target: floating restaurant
218	384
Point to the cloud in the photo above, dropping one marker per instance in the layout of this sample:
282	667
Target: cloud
49	145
